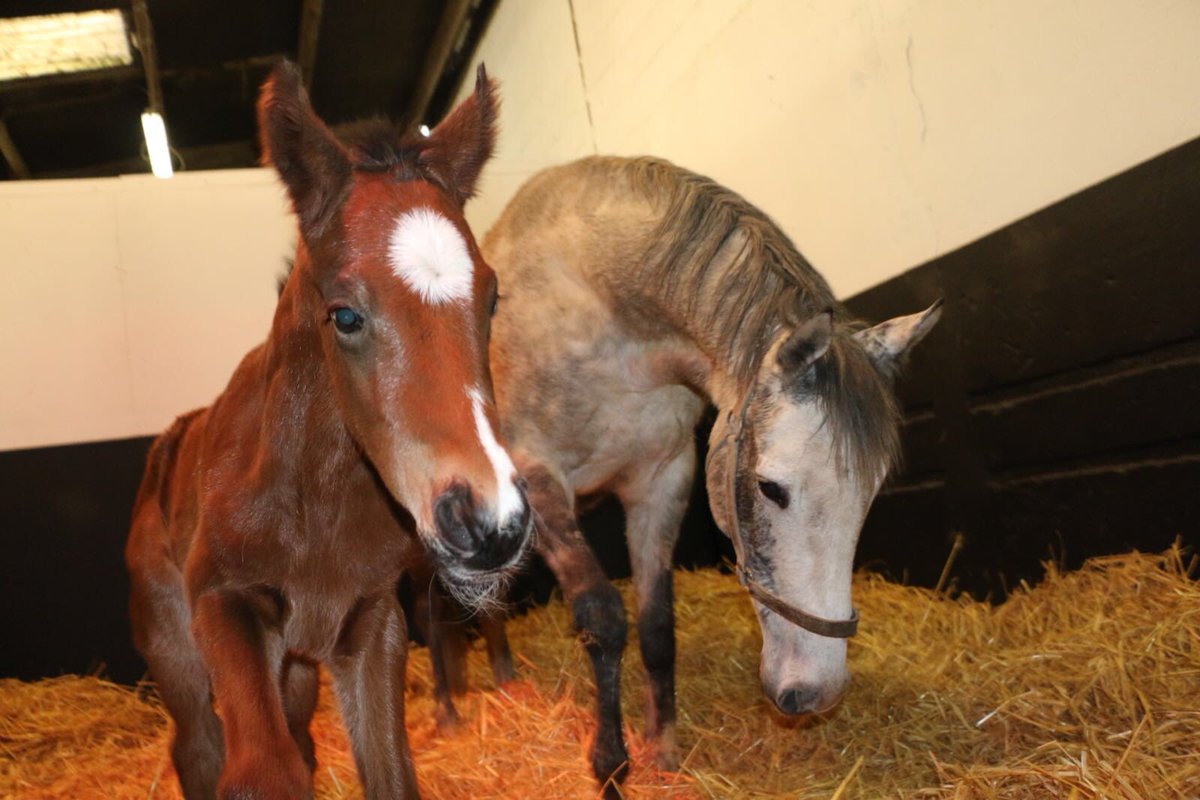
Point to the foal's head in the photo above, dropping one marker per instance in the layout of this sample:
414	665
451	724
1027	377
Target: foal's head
818	438
389	276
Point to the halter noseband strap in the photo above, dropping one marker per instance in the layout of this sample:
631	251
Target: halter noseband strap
834	629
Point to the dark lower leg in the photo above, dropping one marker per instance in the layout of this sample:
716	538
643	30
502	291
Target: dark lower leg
599	617
656	639
597	611
499	653
447	658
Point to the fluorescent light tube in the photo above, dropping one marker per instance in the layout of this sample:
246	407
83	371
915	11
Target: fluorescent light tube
156	144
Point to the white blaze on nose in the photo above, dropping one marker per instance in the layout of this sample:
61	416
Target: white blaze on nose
509	502
429	254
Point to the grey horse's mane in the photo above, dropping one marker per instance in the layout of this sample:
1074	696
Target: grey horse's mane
741	304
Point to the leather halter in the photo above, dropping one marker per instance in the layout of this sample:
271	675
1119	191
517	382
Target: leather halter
834	629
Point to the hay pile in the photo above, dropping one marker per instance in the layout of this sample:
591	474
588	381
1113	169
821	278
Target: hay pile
1086	686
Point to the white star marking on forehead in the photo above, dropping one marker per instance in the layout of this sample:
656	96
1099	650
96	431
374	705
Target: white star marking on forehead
429	254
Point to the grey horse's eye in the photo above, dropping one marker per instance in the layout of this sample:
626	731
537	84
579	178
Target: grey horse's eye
774	492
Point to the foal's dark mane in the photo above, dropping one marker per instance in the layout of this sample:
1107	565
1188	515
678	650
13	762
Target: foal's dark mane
377	145
745	302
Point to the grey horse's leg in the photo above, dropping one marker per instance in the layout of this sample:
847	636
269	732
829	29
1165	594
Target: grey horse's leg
655	501
598	614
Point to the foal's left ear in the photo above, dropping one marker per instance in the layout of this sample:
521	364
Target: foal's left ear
461	144
808	342
887	342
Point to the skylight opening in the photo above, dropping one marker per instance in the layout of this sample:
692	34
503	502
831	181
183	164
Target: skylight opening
62	43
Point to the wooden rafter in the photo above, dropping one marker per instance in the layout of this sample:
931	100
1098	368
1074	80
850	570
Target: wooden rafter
310	29
144	31
454	15
8	148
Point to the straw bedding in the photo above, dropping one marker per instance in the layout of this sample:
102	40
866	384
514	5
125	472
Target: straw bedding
1085	686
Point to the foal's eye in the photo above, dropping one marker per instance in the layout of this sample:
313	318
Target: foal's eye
346	320
774	492
495	303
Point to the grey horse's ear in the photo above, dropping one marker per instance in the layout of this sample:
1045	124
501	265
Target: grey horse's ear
888	341
806	344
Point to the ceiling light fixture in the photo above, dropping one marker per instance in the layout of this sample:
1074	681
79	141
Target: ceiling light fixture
156	144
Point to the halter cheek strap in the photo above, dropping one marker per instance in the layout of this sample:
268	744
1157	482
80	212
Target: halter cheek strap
834	629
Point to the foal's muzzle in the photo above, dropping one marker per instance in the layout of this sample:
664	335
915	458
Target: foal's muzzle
474	537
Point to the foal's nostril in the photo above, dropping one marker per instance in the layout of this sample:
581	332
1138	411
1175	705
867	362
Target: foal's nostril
454	514
496	550
472	536
797	700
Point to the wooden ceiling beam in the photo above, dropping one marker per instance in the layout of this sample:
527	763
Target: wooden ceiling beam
144	31
454	16
12	155
310	30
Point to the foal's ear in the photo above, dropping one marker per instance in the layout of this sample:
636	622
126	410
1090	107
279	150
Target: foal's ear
887	342
807	343
461	144
308	157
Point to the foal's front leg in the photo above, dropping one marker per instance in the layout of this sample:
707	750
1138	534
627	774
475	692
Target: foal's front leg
244	659
368	673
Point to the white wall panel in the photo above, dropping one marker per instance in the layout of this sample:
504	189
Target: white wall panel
878	133
131	300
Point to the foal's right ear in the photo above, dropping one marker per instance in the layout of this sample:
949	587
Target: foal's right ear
308	157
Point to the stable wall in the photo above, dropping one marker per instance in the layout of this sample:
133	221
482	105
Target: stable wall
878	133
1052	407
132	299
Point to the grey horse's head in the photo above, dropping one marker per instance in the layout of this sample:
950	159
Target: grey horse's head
808	452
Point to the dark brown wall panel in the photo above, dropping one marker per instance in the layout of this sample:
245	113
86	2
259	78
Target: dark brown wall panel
1056	409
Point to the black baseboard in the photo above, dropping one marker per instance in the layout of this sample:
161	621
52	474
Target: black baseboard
63	585
1055	412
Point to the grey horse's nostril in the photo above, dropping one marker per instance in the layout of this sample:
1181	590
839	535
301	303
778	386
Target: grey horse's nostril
799	700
